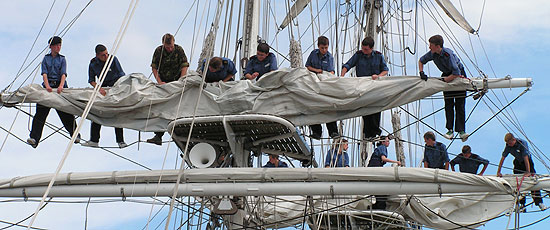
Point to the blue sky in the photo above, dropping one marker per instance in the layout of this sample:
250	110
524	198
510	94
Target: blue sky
516	36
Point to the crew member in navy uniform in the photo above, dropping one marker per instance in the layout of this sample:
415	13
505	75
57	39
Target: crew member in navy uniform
219	69
435	153
451	67
320	60
113	74
261	63
274	162
469	162
54	73
368	63
337	156
378	159
523	164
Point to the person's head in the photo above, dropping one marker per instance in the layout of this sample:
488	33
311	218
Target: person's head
273	158
55	44
262	51
436	43
510	139
429	138
341	144
215	64
322	44
466	150
168	41
101	52
384	140
367	45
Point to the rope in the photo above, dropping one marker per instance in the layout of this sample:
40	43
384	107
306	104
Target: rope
88	107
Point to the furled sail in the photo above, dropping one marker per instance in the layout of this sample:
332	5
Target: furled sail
302	97
294	11
453	13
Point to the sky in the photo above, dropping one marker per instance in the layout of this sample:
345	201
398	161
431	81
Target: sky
515	36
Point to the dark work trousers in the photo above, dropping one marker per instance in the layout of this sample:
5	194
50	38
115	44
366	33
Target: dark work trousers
331	126
96	128
371	125
40	119
95	133
159	134
455	101
519	168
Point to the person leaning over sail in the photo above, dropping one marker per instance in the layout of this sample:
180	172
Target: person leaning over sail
448	63
469	162
380	155
261	63
435	153
113	74
54	73
378	158
169	64
368	62
320	60
523	163
219	69
337	156
274	162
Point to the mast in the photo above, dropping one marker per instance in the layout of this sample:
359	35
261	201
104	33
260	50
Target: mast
251	28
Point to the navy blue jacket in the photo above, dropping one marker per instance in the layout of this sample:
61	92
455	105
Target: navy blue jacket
262	67
436	156
367	65
228	68
54	67
319	61
447	62
376	158
113	74
470	164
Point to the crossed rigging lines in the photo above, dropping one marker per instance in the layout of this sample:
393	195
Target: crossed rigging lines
507	115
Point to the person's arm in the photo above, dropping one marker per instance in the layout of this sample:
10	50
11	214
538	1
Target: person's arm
61	83
500	166
425	164
310	68
453	167
420	66
46	83
273	62
248	74
63	75
346	159
454	66
157	77
101	90
350	64
383	67
484	168
421	62
331	64
328	159
155	65
447	165
231	70
184	71
229	76
385	159
527	166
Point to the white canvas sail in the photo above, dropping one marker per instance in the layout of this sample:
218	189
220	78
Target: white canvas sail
302	97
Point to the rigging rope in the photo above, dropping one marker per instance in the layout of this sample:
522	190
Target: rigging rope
120	35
